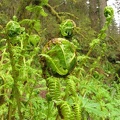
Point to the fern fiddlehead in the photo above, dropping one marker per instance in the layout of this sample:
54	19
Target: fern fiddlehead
54	88
67	27
59	70
77	111
65	110
72	88
108	13
60	56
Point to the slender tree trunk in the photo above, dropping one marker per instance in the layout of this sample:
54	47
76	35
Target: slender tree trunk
102	5
93	14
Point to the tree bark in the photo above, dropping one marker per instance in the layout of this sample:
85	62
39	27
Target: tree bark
93	14
102	5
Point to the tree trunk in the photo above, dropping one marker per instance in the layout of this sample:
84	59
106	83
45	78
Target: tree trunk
93	14
102	5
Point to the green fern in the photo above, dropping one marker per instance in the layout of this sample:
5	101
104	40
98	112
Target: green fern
65	110
54	88
72	87
51	63
77	111
67	27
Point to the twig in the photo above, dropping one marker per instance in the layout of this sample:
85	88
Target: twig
66	13
53	12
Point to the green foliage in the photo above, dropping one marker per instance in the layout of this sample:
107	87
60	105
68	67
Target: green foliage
54	88
73	94
71	85
32	25
96	99
17	69
34	39
108	12
37	9
60	55
65	110
77	111
66	27
13	29
44	2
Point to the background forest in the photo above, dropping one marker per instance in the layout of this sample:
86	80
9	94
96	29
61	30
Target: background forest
36	86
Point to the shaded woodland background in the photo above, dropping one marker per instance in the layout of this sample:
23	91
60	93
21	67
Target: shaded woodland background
88	15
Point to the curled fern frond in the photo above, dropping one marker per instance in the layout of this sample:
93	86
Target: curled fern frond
13	29
54	88
51	63
77	111
67	27
65	110
60	56
72	87
109	12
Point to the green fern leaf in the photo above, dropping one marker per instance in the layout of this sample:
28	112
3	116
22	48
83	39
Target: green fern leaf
65	110
77	111
54	88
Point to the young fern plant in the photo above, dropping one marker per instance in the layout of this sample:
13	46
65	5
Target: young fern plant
62	92
60	60
19	57
13	29
109	14
67	27
54	88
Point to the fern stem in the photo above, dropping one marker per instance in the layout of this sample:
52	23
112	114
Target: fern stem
15	92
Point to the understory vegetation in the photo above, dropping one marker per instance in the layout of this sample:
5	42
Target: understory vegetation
63	74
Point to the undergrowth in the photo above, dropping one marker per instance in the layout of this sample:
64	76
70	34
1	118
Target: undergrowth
30	92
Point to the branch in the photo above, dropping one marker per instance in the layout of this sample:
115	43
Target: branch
53	12
67	13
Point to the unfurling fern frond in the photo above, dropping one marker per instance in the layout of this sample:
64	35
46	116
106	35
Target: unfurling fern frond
77	111
65	110
72	88
54	88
